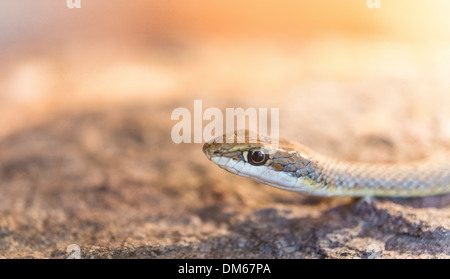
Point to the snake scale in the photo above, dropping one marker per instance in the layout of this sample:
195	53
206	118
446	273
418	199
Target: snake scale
292	166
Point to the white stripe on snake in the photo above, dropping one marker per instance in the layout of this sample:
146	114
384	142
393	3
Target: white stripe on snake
291	166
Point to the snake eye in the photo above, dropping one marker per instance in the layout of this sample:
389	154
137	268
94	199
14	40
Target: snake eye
257	157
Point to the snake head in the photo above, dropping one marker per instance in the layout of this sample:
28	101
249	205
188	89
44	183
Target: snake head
235	143
249	154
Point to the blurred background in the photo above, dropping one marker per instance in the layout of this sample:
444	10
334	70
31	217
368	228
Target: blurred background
86	96
110	52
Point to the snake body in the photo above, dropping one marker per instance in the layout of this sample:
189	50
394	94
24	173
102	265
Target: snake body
292	166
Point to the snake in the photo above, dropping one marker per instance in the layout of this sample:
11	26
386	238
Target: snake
292	166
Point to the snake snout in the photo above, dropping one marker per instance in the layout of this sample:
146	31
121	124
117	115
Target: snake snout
208	149
211	149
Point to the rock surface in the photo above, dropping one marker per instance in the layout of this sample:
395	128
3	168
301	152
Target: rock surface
111	184
88	168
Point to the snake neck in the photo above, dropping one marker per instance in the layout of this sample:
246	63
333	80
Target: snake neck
421	178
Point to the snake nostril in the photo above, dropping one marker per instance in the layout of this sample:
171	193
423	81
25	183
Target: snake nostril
209	150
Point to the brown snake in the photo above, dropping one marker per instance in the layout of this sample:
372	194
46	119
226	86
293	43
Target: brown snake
294	167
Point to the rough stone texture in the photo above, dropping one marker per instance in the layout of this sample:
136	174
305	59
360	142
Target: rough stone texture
112	182
86	97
